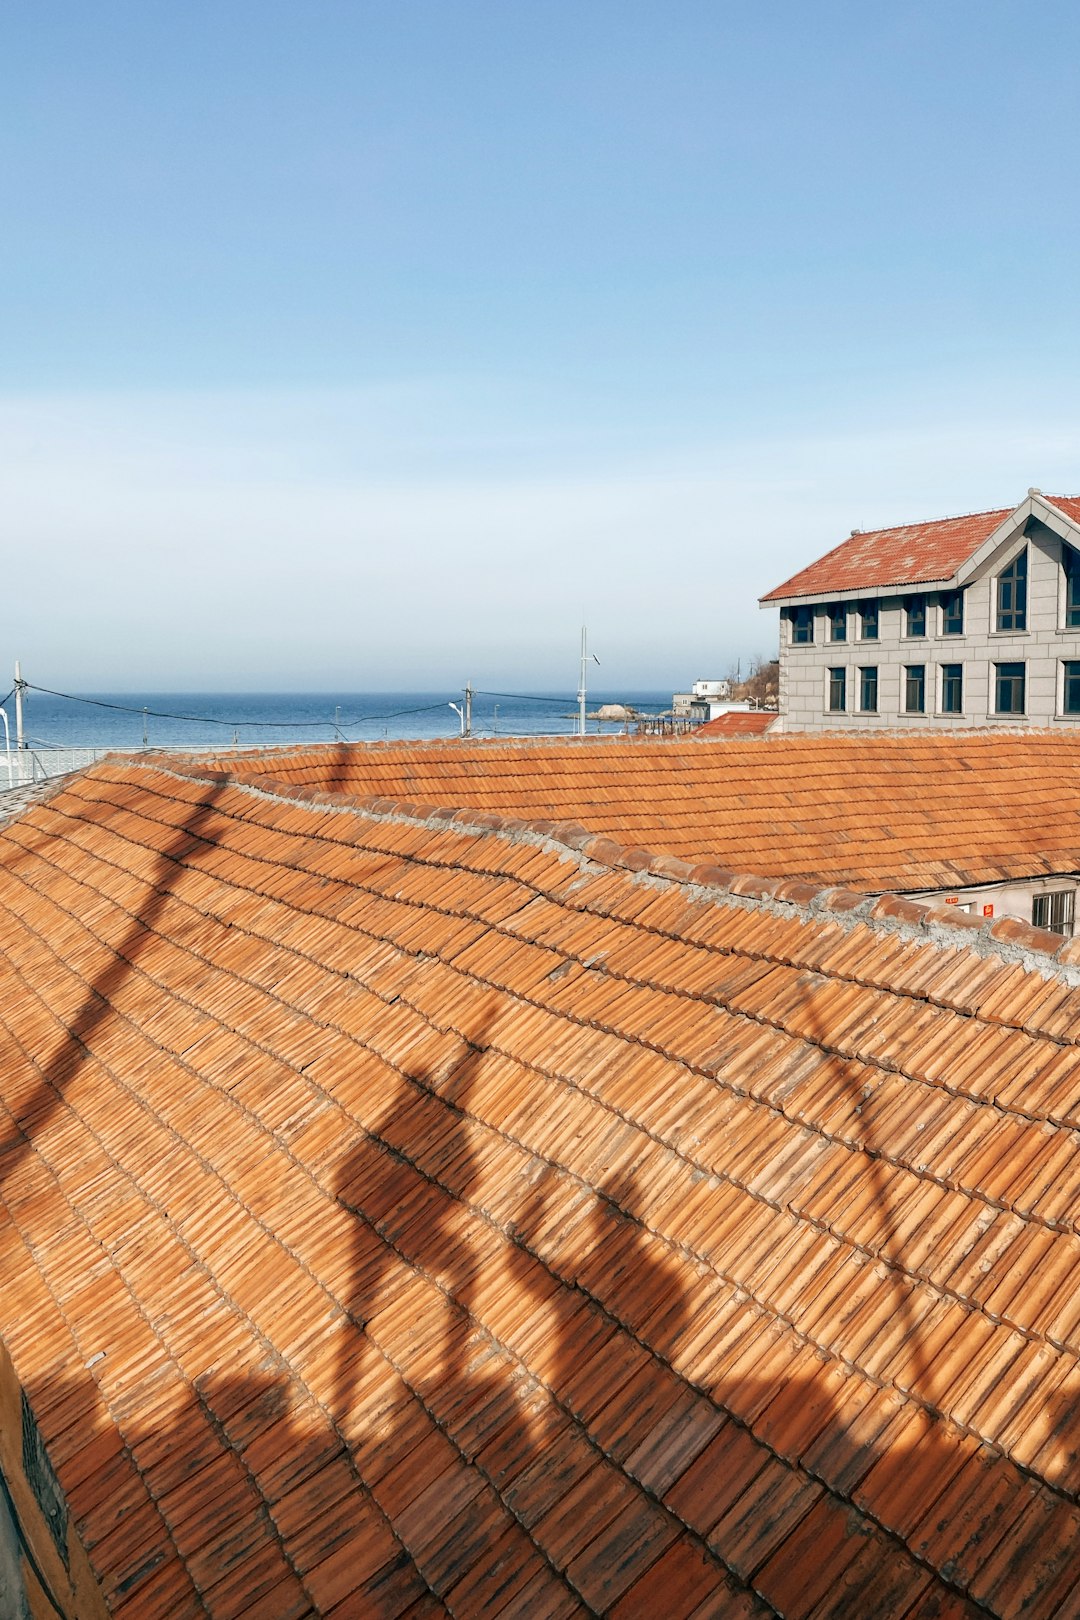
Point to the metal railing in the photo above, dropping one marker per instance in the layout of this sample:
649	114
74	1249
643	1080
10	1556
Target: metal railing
21	767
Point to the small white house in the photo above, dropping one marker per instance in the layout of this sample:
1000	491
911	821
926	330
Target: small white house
706	700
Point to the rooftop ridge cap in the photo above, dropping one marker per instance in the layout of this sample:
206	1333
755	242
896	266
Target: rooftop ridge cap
400	744
936	739
1006	938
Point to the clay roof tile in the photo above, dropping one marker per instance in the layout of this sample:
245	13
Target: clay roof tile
398	1211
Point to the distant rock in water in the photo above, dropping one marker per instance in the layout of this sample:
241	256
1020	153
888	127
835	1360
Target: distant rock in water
614	711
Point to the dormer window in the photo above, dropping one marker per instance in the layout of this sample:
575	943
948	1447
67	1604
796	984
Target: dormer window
837	612
1012	594
1070	562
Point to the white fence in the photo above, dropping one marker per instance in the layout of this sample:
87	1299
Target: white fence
20	767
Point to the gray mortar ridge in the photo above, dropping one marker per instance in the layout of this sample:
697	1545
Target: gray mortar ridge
844	909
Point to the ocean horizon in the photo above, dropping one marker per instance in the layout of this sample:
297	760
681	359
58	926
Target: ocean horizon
127	720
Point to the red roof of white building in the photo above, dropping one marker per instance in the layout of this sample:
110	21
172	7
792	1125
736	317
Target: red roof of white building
911	554
737	723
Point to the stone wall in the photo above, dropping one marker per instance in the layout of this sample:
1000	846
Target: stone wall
1042	649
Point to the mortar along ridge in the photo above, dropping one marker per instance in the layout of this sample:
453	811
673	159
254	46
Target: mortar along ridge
887	914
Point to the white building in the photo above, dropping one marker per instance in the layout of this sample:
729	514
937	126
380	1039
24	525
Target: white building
705	701
963	621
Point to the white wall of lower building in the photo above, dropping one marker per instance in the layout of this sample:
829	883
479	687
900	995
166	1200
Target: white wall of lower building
1010	899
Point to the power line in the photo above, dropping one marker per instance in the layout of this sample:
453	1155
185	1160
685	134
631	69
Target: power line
533	697
213	720
526	697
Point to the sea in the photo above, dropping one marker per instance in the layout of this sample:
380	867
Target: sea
179	720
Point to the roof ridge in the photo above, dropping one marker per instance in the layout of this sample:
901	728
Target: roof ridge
947	517
454	741
1007	938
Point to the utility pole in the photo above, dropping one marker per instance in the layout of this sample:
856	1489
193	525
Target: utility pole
581	689
468	710
20	741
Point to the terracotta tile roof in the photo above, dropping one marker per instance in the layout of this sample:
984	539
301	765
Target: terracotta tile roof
1069	504
874	812
911	554
737	723
405	1215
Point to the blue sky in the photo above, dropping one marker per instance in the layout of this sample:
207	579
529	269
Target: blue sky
366	344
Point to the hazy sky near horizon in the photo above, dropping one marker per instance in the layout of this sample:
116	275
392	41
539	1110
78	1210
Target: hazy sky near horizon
355	345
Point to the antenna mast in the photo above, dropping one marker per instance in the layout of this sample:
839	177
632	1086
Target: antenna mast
20	741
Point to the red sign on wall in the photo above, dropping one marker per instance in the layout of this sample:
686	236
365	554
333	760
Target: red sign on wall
988	911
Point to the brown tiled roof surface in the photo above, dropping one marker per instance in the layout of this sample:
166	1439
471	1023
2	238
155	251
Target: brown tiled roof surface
401	1216
873	812
1069	504
911	554
738	723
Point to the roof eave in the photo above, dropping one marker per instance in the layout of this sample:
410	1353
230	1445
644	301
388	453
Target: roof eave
857	593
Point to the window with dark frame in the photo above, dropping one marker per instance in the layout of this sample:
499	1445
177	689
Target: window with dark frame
915	689
868	620
1070	687
802	625
915	616
837	612
1012	594
1070	562
952	688
1054	911
1009	689
868	689
837	690
952	613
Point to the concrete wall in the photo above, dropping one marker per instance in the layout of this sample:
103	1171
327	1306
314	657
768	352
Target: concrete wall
43	1568
1042	649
